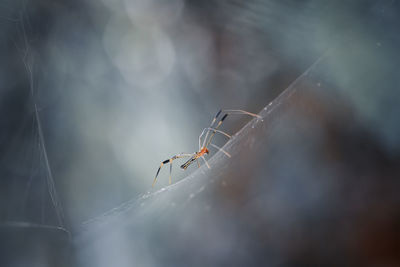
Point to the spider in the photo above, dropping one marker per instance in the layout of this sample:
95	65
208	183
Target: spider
203	146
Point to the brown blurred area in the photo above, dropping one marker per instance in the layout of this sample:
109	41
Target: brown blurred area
337	201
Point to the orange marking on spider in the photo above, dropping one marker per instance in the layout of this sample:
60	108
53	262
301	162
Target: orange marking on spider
203	146
203	151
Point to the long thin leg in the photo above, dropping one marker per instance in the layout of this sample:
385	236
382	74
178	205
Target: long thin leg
218	131
182	155
208	166
214	130
198	163
238	111
211	125
158	171
170	172
221	149
226	111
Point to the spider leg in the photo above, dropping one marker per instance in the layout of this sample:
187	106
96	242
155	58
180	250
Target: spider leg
226	111
218	131
198	163
238	111
208	166
170	171
214	130
182	155
212	123
221	149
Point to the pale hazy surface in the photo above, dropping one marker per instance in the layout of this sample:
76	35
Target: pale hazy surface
118	86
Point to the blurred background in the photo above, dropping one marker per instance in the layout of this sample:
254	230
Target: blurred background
95	94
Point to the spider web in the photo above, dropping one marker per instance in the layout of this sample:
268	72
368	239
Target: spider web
28	189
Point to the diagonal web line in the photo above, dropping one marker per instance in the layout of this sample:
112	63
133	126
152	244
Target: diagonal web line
49	175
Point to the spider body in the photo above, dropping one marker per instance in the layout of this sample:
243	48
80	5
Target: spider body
203	146
196	156
203	151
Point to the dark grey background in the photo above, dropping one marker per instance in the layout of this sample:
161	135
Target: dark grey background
122	85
